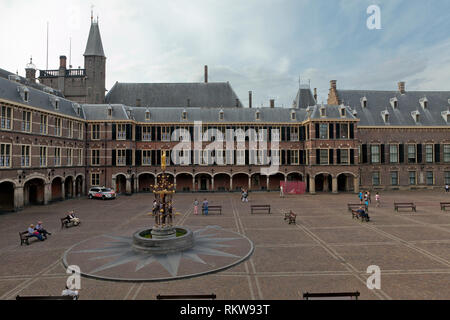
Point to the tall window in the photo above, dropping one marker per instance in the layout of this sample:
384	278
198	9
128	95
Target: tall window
121	132
25	158
430	178
324	153
43	125
344	156
323	131
95	157
69	157
344	130
95	179
429	153
26	121
375	153
95	132
376	178
165	133
57	156
146	133
294	157
446	152
70	127
412	178
80	156
393	153
394	178
5	155
121	159
146	157
58	127
447	177
80	131
43	156
6	118
412	156
294	133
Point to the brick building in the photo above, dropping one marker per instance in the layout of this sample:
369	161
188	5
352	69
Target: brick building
62	135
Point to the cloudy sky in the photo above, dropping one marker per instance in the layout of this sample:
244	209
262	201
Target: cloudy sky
259	45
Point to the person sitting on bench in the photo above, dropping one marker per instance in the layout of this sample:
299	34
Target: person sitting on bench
363	214
40	228
72	218
34	233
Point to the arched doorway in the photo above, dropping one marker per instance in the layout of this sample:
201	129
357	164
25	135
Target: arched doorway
34	191
57	194
259	182
323	182
240	180
295	176
146	180
203	182
222	182
6	196
345	182
274	181
79	186
121	184
184	182
68	187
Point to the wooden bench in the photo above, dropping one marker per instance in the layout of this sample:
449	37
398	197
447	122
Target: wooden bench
290	217
213	209
24	238
46	297
260	207
356	215
353	206
398	205
184	297
332	296
444	205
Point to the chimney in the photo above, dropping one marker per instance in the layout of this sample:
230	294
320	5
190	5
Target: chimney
62	62
30	71
272	103
206	74
315	94
333	84
401	87
333	98
250	99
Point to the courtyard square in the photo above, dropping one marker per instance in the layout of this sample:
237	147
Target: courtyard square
325	251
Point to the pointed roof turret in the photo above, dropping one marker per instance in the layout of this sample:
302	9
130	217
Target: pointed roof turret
94	45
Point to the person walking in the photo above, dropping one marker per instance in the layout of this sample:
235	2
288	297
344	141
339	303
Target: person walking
360	197
368	197
447	188
205	207
366	203
281	192
196	207
377	199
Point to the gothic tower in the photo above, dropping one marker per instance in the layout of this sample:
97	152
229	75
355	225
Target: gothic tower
95	65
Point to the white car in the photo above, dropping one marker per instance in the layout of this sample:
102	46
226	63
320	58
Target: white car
101	193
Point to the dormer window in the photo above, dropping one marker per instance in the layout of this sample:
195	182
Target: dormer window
257	115
24	93
416	116
364	102
385	116
109	111
55	102
355	113
323	112
293	115
424	103
184	115
147	115
79	111
221	115
446	116
343	112
394	103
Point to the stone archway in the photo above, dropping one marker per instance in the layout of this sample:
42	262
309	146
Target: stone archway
294	176
222	182
240	180
345	182
68	188
274	181
121	184
57	189
145	181
78	186
259	182
323	182
34	192
184	182
6	196
203	182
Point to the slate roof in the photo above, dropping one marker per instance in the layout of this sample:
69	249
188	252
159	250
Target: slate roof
94	46
408	103
172	95
9	90
304	98
331	112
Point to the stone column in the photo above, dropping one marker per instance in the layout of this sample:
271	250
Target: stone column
175	182
128	187
18	198
212	183
136	185
63	190
356	184
193	184
312	185
335	185
113	182
267	183
231	183
249	183
47	193
74	188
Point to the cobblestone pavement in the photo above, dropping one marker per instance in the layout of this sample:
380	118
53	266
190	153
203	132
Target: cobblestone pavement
326	251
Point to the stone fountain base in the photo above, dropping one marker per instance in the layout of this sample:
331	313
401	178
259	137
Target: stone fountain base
163	240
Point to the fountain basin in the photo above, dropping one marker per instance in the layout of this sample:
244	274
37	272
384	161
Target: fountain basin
163	240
